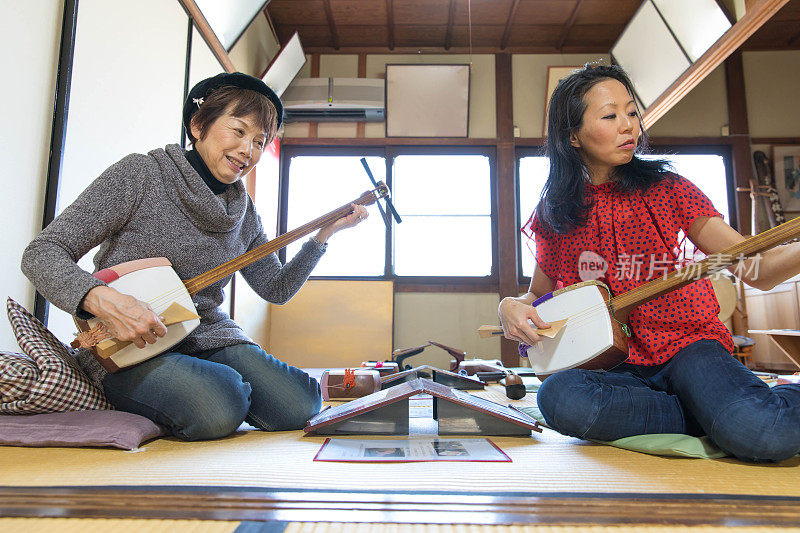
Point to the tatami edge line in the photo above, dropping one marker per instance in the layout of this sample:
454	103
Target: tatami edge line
517	494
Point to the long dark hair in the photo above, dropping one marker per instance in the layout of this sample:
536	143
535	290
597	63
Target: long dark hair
564	205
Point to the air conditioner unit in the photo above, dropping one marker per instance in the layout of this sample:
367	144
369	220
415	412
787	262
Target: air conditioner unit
334	100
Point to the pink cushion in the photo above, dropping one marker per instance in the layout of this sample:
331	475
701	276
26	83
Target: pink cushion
78	428
49	380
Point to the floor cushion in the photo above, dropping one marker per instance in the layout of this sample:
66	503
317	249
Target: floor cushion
78	428
48	379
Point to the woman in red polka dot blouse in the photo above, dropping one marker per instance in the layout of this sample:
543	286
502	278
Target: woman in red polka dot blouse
601	199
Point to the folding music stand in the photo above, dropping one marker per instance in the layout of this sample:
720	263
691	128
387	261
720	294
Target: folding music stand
386	412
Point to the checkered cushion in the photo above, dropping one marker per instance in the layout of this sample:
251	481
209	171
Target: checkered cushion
18	375
46	378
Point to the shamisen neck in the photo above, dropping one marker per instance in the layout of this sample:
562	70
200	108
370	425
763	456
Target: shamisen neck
229	267
622	304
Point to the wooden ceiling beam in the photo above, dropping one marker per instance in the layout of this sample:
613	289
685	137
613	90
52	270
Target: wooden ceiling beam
758	12
208	35
594	49
331	24
569	24
450	20
509	22
390	23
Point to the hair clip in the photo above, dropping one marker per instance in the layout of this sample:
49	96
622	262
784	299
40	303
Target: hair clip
197	101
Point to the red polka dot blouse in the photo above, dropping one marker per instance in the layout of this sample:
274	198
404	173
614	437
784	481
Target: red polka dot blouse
636	236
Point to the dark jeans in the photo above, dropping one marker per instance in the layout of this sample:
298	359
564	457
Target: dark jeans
209	395
702	390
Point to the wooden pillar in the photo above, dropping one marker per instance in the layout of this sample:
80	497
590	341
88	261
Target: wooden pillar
313	126
362	73
506	194
740	132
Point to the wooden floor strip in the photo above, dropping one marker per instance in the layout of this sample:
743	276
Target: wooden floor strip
422	507
328	527
104	525
101	525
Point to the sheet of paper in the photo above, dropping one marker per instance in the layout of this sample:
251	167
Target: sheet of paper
410	450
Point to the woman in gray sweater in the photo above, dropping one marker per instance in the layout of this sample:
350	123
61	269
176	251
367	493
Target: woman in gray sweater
192	208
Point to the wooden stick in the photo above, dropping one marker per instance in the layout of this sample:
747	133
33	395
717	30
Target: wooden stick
485	332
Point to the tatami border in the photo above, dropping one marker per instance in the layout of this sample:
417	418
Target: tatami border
375	506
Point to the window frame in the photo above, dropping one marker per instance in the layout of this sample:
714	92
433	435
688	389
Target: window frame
389	153
723	150
287	153
521	152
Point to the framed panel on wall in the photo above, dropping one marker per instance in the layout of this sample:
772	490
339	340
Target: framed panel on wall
554	75
427	100
786	162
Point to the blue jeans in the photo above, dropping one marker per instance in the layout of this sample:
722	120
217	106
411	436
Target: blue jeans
702	390
208	395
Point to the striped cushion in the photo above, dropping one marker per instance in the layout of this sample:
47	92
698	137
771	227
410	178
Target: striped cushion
48	379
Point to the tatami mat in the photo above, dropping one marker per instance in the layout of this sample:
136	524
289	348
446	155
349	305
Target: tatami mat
544	462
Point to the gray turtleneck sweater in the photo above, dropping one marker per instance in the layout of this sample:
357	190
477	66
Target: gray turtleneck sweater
156	205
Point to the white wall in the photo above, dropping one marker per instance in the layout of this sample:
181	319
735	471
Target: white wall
448	318
126	96
255	48
701	113
772	85
30	32
529	86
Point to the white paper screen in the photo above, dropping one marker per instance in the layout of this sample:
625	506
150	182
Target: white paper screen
286	65
649	53
230	18
696	23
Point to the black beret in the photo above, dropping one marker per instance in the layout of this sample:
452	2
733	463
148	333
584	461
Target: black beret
236	79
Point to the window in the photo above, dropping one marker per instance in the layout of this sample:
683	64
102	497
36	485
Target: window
443	195
445	203
532	175
320	184
708	169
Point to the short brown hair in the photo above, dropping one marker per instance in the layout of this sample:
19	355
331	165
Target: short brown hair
239	103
